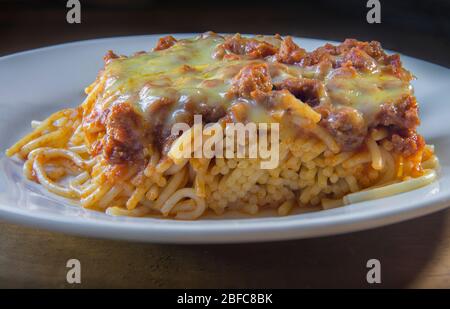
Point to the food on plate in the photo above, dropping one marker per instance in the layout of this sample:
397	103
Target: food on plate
330	126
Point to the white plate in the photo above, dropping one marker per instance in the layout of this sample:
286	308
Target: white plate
35	83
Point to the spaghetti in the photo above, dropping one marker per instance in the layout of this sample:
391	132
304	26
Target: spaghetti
347	133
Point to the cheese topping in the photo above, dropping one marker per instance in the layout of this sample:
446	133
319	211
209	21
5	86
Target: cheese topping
349	85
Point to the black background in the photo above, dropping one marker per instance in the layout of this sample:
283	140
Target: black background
413	253
416	28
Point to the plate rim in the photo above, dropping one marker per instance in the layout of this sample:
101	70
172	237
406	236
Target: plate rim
219	232
222	231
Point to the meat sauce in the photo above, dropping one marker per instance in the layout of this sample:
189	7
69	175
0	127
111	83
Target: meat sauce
354	86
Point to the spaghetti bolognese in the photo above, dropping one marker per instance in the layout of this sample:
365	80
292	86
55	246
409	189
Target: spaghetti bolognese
347	120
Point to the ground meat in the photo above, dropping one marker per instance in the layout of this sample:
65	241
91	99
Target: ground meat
373	48
250	78
165	42
363	55
367	55
402	118
244	46
396	68
359	59
407	142
307	90
209	113
321	55
401	115
346	125
158	111
350	129
110	55
290	52
126	132
123	139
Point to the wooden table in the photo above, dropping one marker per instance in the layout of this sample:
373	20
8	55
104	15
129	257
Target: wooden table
412	254
415	254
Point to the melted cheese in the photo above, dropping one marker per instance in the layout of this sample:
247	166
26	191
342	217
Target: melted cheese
188	71
366	92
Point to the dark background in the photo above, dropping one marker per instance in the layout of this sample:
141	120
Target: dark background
415	253
416	28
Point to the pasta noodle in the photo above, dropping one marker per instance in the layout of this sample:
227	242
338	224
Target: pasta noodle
117	153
